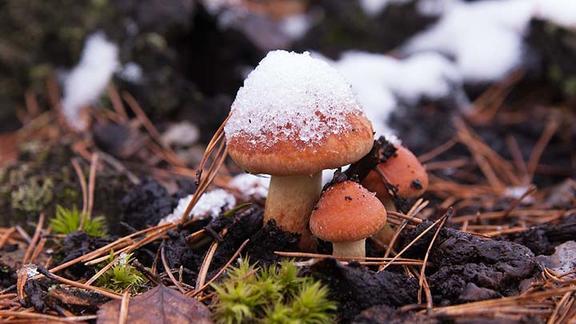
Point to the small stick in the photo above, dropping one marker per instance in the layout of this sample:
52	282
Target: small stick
221	271
415	240
83	184
423	268
206	265
23	234
123	317
35	238
39	248
169	271
102	271
91	185
47	317
117	103
72	283
540	146
6	236
328	256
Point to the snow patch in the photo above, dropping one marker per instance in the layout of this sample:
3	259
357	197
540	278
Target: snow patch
89	78
295	26
211	204
486	37
293	95
381	81
560	12
182	134
251	186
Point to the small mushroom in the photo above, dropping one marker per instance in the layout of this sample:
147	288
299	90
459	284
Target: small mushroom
294	117
346	215
402	176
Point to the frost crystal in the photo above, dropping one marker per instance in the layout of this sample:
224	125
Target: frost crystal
210	204
291	95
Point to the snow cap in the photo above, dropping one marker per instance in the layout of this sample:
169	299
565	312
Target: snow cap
295	114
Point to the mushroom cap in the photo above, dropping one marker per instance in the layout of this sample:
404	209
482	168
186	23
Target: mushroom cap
403	171
347	212
296	115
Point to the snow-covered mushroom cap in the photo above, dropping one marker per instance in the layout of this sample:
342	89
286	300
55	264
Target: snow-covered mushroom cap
296	115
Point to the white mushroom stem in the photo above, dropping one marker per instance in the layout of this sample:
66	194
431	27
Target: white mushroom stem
385	235
291	200
352	249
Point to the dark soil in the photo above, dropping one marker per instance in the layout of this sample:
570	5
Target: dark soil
7	276
144	205
243	225
75	245
464	267
356	288
544	238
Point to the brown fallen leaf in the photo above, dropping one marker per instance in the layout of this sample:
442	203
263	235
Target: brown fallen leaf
159	305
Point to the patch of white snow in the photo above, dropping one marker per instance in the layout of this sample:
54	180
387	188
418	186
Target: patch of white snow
211	204
251	186
89	78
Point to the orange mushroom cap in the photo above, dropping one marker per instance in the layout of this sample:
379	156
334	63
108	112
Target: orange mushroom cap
403	171
347	212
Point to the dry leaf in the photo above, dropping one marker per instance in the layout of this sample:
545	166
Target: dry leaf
158	305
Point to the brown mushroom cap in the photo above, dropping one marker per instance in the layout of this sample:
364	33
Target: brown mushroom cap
347	212
403	171
291	156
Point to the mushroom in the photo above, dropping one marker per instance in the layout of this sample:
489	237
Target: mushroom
402	176
346	215
294	117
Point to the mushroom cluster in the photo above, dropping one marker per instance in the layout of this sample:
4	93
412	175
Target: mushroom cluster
296	116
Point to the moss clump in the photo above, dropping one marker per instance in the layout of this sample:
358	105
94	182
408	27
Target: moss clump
68	221
32	196
276	294
122	275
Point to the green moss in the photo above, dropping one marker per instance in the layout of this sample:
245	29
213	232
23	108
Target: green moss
275	294
122	276
68	221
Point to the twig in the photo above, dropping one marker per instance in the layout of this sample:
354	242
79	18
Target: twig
72	283
91	184
221	271
540	146
123	317
117	103
169	271
6	236
47	317
83	184
411	243
206	265
328	256
35	238
426	256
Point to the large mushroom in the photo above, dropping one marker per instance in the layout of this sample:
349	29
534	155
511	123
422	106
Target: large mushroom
294	117
346	215
401	176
